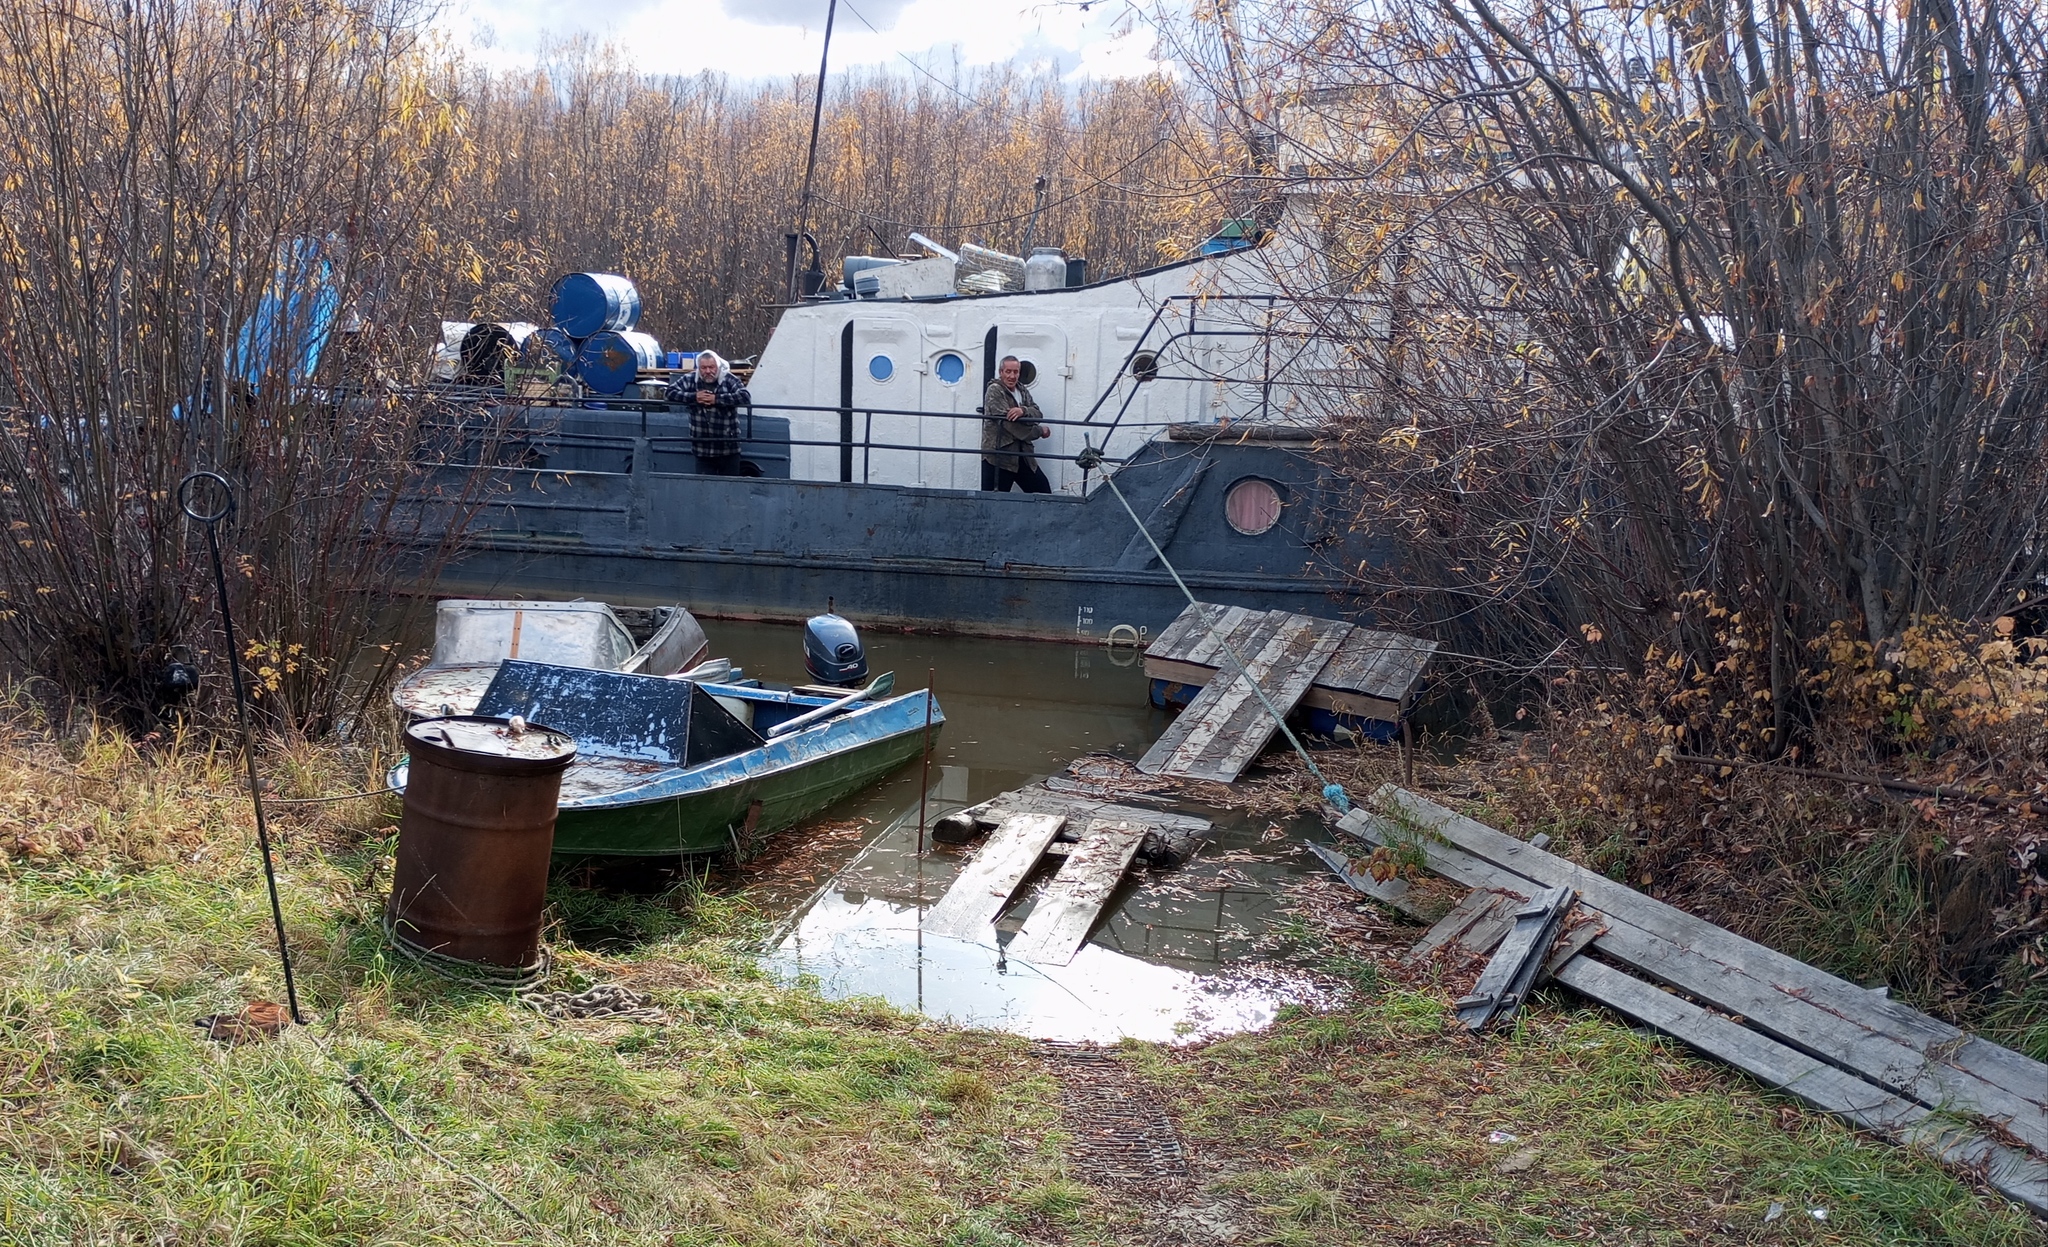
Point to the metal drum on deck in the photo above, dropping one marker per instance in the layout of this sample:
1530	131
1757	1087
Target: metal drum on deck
487	347
473	844
585	303
550	348
609	361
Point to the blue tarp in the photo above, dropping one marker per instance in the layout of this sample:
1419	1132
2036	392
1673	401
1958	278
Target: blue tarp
283	339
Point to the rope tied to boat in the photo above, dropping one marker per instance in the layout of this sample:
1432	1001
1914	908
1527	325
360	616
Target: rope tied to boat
1090	459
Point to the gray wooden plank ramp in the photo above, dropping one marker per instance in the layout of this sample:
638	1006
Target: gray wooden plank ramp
1059	924
1226	726
1884	1041
2013	1171
2018	1175
983	890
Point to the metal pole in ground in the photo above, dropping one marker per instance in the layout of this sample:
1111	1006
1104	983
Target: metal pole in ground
189	503
925	789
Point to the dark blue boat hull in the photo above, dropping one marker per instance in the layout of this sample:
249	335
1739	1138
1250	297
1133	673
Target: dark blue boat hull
1058	567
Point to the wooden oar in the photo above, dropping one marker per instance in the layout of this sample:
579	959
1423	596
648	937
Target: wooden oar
880	688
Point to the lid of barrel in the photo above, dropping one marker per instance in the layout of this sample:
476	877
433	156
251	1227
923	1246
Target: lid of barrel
500	746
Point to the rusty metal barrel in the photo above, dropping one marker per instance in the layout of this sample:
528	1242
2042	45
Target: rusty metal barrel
473	844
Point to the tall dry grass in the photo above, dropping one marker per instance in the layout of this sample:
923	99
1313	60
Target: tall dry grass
688	184
189	189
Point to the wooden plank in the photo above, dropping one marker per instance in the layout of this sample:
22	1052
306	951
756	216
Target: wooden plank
985	886
1164	750
1470	908
1234	627
1392	892
1073	902
1377	664
1226	726
1513	970
2014	1173
1880	1040
1193	623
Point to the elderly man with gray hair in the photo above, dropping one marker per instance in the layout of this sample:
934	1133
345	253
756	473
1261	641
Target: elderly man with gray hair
714	396
1009	427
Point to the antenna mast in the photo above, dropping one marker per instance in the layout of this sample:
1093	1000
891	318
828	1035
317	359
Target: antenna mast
803	203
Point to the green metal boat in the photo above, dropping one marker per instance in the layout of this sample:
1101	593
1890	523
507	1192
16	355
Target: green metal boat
665	769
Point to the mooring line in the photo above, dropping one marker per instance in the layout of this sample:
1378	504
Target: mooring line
1334	793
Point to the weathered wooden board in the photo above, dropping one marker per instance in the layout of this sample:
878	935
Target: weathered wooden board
1078	810
1392	892
1226	726
1513	970
1378	664
1369	674
1073	902
2015	1173
984	888
2012	1171
1881	1040
1472	908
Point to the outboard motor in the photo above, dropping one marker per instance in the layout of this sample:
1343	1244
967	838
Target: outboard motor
832	651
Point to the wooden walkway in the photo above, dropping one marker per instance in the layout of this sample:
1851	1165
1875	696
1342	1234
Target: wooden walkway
1027	821
1068	911
1879	1064
982	892
1226	726
1370	676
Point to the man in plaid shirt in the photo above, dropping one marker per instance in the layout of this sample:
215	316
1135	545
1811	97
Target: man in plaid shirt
714	397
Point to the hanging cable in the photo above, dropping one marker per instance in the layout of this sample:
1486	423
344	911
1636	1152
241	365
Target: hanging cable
1090	459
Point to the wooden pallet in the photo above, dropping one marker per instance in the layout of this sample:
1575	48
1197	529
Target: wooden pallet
1370	676
1226	725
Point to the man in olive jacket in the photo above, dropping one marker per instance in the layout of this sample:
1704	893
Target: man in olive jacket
1010	427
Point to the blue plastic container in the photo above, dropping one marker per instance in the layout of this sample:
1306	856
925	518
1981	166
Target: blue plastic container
589	303
611	360
551	342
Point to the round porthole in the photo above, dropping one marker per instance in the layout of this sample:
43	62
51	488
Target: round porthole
1144	365
1252	506
881	368
1027	372
951	367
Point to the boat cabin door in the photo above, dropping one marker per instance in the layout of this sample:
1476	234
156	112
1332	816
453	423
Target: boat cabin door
886	367
1047	368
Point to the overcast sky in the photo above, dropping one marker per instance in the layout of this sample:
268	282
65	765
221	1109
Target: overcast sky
777	38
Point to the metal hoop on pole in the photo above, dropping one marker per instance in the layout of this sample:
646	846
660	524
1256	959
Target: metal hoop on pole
189	503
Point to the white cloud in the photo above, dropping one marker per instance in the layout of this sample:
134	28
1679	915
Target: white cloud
780	38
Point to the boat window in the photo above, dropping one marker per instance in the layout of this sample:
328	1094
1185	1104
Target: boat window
1252	506
1144	365
1027	372
881	368
951	366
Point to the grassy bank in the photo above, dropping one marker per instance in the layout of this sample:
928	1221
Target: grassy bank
760	1113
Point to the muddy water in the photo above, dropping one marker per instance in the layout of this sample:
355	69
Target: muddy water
1183	954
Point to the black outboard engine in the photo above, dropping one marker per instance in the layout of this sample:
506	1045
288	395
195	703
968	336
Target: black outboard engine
832	651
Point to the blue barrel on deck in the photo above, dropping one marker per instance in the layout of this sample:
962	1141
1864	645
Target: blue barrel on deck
611	360
551	346
588	303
